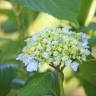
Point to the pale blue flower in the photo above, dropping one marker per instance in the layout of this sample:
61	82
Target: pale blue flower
85	45
46	55
43	34
75	66
61	39
87	52
30	59
65	30
68	63
35	37
20	57
84	36
33	66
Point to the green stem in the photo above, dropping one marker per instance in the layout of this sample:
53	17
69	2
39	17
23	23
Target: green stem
20	21
18	10
60	81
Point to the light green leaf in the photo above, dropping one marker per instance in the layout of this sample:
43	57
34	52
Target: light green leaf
42	84
62	9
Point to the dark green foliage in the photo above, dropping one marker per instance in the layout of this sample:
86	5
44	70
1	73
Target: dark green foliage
8	49
7	73
84	11
87	75
18	83
89	88
41	84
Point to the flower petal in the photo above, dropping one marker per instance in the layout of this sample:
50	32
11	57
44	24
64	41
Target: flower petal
75	66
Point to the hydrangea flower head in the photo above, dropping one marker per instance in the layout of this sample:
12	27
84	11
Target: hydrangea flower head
56	46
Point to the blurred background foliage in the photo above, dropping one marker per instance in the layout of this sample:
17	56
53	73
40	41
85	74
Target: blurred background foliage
20	19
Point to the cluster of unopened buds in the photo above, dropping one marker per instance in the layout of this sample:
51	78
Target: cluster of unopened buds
55	46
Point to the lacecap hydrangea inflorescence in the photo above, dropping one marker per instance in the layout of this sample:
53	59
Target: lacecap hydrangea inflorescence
55	46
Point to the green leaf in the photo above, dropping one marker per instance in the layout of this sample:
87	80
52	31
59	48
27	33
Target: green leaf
87	11
18	83
62	9
8	49
87	75
90	27
41	84
10	24
7	73
92	42
90	89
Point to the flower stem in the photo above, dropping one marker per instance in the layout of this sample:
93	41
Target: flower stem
60	81
18	11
